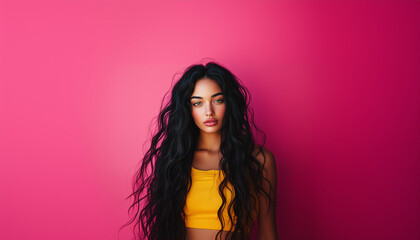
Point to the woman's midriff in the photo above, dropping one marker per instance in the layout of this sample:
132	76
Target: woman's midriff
206	234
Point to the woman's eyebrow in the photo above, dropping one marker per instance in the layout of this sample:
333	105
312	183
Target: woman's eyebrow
214	95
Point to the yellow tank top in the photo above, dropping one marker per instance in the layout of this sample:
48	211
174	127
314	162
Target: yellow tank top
203	200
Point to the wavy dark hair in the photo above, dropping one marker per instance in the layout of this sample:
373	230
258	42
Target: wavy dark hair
162	181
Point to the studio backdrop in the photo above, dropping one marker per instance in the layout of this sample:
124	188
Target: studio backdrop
334	85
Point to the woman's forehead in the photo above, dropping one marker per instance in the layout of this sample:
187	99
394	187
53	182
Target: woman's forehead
206	88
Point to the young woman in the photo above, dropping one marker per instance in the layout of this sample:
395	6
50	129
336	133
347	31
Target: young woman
203	176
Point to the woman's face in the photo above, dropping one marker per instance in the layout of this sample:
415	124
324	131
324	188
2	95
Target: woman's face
208	105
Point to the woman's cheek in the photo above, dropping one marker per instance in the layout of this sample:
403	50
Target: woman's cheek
221	111
195	115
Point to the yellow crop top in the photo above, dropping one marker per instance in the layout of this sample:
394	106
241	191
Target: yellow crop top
203	200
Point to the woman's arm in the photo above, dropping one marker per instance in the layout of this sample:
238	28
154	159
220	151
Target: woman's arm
267	215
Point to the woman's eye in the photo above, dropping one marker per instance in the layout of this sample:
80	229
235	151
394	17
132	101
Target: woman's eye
219	100
197	104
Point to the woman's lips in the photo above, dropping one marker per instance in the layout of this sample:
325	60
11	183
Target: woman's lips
210	122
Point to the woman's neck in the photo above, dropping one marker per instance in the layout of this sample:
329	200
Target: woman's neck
209	141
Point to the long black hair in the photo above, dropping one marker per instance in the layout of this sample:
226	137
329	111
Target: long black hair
163	179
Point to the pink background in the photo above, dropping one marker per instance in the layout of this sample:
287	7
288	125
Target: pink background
335	85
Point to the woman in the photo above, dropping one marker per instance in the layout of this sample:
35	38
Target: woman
203	176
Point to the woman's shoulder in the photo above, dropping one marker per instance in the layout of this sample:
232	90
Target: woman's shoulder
263	155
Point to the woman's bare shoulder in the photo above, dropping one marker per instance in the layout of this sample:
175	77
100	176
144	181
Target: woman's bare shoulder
263	155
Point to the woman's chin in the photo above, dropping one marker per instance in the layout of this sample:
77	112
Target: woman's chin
210	130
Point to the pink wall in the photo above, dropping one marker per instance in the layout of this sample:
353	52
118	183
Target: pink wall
335	85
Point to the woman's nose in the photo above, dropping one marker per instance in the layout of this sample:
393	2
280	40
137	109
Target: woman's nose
209	110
